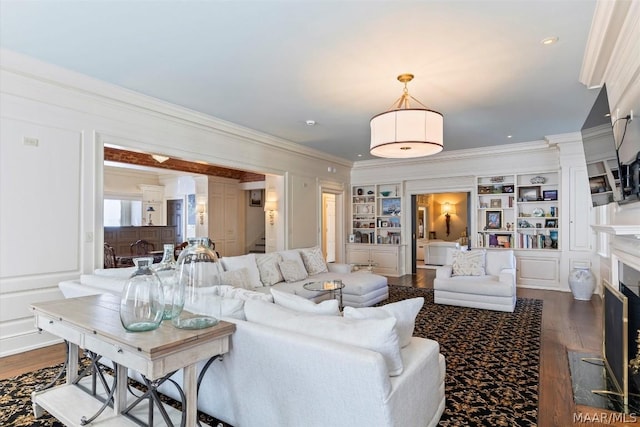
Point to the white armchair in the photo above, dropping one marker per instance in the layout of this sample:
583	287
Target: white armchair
495	290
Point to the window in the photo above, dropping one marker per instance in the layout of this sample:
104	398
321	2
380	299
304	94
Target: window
119	212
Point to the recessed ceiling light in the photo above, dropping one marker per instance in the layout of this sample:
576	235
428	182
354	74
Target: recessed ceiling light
509	136
359	155
549	40
310	122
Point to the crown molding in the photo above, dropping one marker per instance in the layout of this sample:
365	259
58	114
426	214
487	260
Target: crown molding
606	29
107	93
520	147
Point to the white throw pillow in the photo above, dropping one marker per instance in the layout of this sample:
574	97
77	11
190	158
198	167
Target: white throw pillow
292	271
378	335
236	278
244	261
303	305
404	312
292	255
313	260
468	263
268	267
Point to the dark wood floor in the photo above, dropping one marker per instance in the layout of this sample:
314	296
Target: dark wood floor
567	324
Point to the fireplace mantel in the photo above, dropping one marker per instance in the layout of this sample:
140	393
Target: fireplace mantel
619	230
624	245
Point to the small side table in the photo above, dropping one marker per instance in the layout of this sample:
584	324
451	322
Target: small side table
330	286
93	323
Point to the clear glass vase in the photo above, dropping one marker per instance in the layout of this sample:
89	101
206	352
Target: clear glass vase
198	274
142	300
166	271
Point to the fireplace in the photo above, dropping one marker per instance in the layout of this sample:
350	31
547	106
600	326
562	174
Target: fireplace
621	319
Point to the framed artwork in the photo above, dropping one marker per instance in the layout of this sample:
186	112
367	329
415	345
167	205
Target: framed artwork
496	203
598	184
550	194
255	198
504	240
507	188
529	194
494	220
550	223
391	206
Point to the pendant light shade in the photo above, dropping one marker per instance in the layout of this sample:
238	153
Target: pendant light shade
405	132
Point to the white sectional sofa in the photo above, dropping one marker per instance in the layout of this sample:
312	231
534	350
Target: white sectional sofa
277	377
288	365
260	273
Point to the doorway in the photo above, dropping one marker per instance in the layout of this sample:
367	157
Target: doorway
329	226
175	217
445	217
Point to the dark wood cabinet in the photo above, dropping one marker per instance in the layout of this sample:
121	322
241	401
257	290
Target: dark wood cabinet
121	238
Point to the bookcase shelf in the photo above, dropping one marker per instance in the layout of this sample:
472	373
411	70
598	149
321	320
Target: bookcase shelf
518	211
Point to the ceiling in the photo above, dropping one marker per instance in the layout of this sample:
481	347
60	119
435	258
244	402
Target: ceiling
273	65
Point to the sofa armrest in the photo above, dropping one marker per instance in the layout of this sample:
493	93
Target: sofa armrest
339	268
507	276
444	272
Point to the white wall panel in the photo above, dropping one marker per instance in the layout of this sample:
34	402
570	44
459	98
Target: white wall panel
303	212
40	199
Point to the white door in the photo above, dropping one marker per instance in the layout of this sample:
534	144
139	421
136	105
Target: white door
329	226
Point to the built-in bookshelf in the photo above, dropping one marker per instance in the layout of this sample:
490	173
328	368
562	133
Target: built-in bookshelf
518	211
376	214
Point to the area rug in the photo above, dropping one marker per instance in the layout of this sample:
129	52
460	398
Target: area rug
492	359
492	365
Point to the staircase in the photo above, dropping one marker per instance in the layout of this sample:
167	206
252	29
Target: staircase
258	246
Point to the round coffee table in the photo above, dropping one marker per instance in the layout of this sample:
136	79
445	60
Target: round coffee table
331	286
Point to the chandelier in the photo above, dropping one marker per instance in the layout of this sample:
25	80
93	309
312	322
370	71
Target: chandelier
405	131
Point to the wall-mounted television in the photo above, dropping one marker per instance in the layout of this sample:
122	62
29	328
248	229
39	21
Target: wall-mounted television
610	180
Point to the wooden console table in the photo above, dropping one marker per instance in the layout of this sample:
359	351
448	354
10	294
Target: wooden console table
93	323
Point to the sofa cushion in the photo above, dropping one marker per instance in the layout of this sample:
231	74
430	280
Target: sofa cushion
122	273
313	260
404	312
292	271
378	335
113	285
243	261
471	285
214	304
236	278
268	268
469	263
303	305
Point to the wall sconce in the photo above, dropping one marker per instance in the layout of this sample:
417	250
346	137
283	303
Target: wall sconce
200	209
271	207
150	209
447	210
